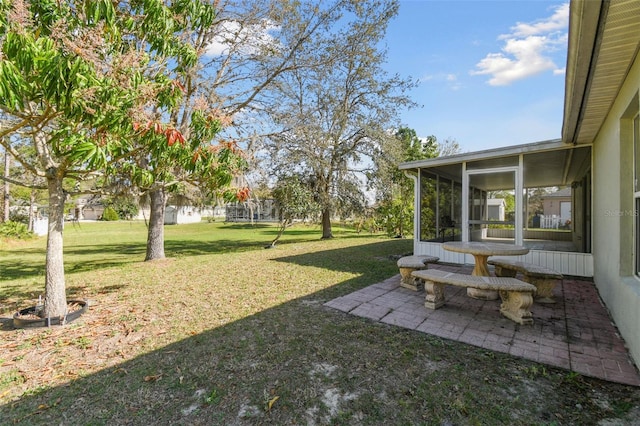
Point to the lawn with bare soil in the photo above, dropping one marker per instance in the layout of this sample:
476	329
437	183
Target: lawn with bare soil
224	332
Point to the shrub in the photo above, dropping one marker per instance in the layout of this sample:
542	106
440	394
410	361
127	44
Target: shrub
17	230
110	214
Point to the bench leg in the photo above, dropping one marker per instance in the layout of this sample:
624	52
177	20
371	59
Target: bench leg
435	295
544	288
481	269
515	306
409	281
505	272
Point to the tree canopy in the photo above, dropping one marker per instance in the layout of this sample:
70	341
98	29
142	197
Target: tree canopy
86	85
334	117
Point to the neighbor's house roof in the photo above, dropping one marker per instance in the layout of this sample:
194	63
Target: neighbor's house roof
563	193
496	202
603	42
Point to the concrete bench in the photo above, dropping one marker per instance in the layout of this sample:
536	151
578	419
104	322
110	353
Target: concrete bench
408	264
544	279
516	295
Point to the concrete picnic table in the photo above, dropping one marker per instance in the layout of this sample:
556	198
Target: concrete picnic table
481	252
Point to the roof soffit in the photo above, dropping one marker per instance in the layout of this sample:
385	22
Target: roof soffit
594	79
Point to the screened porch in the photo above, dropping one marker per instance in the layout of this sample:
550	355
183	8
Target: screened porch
508	195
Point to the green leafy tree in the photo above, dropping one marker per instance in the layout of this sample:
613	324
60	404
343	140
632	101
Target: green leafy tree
395	190
77	80
335	116
126	208
295	200
239	55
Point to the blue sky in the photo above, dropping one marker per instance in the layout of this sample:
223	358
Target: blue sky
491	73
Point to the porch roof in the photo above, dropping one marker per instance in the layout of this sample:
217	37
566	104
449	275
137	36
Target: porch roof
546	163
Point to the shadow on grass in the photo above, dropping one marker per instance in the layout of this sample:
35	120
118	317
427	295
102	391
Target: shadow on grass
301	363
362	259
90	257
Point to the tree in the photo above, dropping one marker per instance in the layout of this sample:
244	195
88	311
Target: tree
295	201
240	54
334	117
5	192
394	190
74	85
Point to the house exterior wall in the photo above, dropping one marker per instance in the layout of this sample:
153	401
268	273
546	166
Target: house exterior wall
91	213
552	205
181	215
613	214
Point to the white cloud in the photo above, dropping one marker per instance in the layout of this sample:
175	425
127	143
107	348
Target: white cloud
451	80
527	50
557	22
242	39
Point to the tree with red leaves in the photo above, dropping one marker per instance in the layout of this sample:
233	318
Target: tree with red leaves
77	79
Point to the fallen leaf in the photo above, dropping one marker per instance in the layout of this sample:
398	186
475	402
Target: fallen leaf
272	401
154	378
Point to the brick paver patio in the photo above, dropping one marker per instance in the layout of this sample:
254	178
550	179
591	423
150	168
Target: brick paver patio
576	333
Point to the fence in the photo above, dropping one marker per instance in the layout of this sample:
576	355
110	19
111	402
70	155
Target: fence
552	222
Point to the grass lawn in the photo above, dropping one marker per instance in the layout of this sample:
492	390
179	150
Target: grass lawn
225	332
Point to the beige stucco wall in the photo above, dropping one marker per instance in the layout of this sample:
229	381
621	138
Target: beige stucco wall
551	206
613	220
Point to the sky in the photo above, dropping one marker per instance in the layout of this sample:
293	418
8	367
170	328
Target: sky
490	73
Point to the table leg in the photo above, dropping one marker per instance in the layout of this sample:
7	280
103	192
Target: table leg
481	269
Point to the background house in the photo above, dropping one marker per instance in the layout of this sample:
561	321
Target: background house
253	210
556	209
89	207
496	208
176	215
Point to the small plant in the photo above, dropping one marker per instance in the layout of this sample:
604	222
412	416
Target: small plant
535	371
10	377
572	377
213	397
17	230
621	408
110	214
83	342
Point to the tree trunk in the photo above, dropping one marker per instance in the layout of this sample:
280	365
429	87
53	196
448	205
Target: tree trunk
283	226
32	203
155	236
7	163
55	298
326	224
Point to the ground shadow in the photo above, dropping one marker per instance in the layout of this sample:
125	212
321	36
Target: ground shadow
363	259
303	363
89	257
